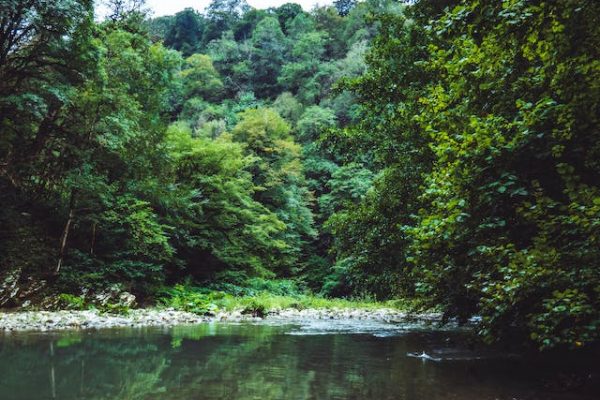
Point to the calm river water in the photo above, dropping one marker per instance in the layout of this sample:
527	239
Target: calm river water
317	360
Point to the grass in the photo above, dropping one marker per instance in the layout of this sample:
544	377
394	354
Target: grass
300	302
201	302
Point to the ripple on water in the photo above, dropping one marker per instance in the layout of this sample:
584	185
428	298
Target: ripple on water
353	327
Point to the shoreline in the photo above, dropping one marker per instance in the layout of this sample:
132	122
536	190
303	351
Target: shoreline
49	321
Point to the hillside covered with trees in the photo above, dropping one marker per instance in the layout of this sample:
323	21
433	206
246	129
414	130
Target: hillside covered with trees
445	153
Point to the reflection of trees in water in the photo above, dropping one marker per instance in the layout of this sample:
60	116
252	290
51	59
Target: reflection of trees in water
202	362
249	364
237	362
265	365
77	367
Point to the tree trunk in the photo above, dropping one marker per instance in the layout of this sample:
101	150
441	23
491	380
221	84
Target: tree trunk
65	235
93	243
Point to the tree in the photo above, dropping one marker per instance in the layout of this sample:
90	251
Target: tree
485	205
509	207
344	7
307	74
219	224
231	60
186	32
201	79
244	27
159	28
222	15
226	9
288	107
267	56
278	175
45	50
329	21
86	152
314	121
287	12
113	159
299	25
388	92
120	10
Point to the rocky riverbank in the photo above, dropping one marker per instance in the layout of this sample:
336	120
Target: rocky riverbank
91	319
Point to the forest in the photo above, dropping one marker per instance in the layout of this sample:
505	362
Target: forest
441	153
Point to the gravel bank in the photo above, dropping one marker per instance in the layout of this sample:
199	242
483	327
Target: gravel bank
61	320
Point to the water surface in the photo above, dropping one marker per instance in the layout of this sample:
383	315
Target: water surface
316	360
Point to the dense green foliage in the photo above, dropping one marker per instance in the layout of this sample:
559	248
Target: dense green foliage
170	148
442	151
484	115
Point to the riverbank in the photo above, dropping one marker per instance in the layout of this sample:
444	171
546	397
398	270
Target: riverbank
43	321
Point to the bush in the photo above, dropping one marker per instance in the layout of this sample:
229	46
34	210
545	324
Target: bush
190	299
256	309
71	302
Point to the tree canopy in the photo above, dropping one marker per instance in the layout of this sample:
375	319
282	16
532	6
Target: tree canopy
444	152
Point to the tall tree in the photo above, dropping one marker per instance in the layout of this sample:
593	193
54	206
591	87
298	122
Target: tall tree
287	12
278	175
267	57
45	50
304	76
186	32
220	226
222	15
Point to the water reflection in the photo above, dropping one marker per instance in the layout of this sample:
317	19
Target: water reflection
219	361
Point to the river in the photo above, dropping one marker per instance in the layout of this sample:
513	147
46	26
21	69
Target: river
305	360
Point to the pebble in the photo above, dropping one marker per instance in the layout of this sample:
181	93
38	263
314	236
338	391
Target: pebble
92	319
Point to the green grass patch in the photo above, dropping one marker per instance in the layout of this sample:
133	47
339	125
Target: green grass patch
201	301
